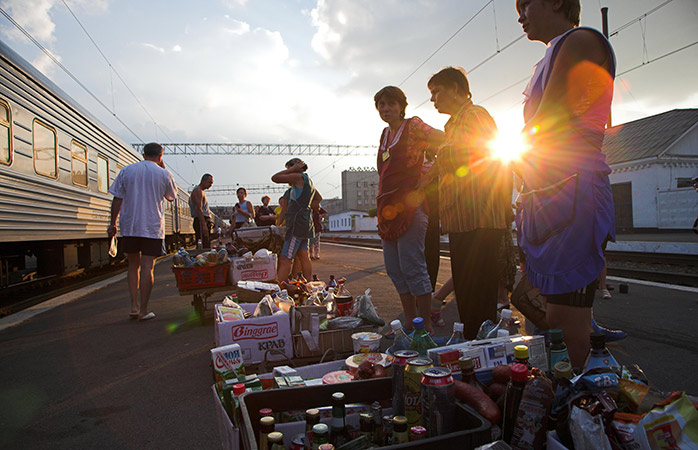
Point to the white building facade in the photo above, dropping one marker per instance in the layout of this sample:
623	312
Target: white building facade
353	221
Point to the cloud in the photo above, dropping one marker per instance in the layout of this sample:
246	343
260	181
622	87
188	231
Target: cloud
152	47
232	4
177	48
33	17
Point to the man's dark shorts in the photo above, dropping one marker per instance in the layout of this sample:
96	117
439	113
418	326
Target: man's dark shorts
146	246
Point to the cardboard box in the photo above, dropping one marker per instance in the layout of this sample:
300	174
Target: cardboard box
338	340
230	435
253	269
256	336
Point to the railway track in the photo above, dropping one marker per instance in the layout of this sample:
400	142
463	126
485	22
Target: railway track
658	267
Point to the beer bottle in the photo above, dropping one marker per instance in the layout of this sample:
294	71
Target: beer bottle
275	441
400	433
312	418
366	425
266	426
467	370
320	432
339	434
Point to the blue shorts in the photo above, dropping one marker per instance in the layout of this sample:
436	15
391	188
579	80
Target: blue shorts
404	258
291	247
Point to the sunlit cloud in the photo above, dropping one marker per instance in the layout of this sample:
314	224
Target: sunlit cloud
177	48
152	47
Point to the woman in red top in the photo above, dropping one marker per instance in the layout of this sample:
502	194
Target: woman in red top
402	220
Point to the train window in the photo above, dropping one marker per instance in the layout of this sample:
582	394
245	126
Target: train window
5	133
45	154
102	174
78	163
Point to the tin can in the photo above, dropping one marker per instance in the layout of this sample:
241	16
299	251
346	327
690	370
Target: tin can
298	442
438	401
413	389
400	359
417	433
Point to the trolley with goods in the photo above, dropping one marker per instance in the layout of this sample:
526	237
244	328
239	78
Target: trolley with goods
202	282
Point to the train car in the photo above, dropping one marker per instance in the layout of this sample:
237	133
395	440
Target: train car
56	164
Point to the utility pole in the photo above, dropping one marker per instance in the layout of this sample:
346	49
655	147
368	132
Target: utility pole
604	27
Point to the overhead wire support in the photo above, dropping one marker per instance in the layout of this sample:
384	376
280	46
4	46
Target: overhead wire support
264	149
227	189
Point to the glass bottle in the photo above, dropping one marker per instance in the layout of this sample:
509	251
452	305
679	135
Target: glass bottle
320	433
558	349
339	435
457	335
467	370
512	398
275	441
312	418
402	340
366	425
266	426
599	356
521	355
400	433
421	340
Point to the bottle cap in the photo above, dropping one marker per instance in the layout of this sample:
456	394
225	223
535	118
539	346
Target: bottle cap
320	428
458	326
563	369
396	325
265	412
502	333
418	323
506	313
466	363
556	335
338	396
275	436
267	421
239	389
519	372
521	352
598	340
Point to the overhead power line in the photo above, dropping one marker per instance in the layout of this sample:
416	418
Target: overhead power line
658	58
639	18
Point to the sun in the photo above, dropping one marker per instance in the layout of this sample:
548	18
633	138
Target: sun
509	145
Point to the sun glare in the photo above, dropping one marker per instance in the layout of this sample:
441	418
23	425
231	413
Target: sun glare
508	146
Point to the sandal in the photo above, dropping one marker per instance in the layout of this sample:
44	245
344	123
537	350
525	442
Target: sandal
436	319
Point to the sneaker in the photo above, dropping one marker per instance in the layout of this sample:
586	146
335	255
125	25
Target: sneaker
436	319
611	335
605	294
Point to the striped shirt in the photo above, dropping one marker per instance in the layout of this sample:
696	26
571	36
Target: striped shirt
474	190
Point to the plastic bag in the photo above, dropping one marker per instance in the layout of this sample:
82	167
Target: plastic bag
366	311
671	424
344	322
265	307
588	432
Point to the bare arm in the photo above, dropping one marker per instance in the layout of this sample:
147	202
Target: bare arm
315	202
292	175
115	210
197	197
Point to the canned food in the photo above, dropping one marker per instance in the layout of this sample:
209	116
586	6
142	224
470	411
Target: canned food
400	359
438	400
413	389
417	433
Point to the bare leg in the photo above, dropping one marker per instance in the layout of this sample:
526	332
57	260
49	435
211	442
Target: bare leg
306	266
424	308
297	267
602	278
284	268
575	323
444	290
133	278
409	308
147	263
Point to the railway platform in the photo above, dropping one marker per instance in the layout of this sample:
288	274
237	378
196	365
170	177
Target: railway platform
78	373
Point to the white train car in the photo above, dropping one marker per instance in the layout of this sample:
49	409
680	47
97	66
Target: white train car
56	164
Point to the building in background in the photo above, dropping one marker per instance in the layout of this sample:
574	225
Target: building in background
359	189
352	220
332	205
652	161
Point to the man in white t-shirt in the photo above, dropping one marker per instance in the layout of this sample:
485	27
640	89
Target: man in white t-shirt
140	191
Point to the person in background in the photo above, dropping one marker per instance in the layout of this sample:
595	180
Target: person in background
432	238
319	214
198	205
280	211
474	198
298	216
402	220
265	214
566	213
243	212
140	191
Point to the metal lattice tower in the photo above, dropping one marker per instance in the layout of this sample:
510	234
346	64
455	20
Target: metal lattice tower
227	189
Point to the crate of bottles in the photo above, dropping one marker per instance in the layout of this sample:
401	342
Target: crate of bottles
472	429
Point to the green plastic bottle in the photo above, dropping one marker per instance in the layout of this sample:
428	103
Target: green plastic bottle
421	340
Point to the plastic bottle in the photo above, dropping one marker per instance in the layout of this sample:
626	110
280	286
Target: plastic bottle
402	340
521	355
502	333
599	356
505	323
558	349
332	283
512	398
485	329
421	340
457	335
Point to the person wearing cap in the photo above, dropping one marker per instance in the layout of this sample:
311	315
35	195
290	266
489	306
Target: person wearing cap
303	198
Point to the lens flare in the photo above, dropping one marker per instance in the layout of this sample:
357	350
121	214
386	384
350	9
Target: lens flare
508	146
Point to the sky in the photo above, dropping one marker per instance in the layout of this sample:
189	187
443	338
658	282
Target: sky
303	71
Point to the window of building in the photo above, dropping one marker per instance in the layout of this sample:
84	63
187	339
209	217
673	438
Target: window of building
365	193
358	184
78	163
359	201
102	174
45	154
358	193
5	133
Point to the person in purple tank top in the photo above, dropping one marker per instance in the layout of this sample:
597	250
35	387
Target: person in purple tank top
566	213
